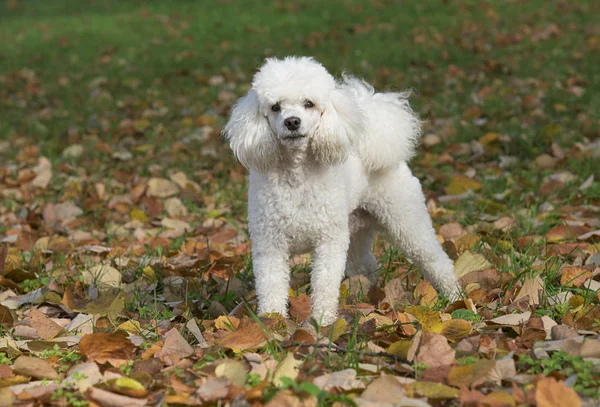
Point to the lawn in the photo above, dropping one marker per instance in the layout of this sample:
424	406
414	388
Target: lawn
125	274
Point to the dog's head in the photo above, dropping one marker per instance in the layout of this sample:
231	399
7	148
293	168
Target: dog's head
294	103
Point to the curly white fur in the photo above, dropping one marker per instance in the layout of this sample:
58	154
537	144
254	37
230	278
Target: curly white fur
327	163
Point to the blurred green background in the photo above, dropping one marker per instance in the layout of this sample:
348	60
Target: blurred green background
145	75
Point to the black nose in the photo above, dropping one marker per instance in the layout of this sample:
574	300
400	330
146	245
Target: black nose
292	123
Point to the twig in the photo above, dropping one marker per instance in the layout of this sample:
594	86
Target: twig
339	349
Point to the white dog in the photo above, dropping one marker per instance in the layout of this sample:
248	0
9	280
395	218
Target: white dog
327	163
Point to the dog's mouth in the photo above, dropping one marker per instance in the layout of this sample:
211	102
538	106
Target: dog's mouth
294	136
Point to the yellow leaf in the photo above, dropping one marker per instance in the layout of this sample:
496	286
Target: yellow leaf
468	375
337	329
131	326
431	390
228	323
489	138
426	294
490	207
399	348
149	273
288	368
141	124
234	370
460	184
456	329
501	398
429	319
130	387
138	215
469	261
380	320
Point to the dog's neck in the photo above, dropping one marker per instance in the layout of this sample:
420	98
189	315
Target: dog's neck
295	165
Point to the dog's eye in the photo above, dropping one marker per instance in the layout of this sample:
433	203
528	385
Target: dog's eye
308	104
276	107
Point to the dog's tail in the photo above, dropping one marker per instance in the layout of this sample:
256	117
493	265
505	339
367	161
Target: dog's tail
392	130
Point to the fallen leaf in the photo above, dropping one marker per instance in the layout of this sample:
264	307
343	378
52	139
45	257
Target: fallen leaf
102	348
287	368
532	289
573	276
386	389
429	319
234	370
431	390
512	319
108	399
456	329
162	188
103	276
249	335
34	367
549	392
300	308
460	184
343	380
434	350
470	375
468	262
175	346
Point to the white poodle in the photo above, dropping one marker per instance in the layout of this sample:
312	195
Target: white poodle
328	170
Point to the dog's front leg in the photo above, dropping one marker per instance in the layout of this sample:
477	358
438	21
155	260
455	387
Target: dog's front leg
329	260
270	262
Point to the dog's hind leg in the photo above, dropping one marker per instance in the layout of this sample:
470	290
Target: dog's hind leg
396	200
361	259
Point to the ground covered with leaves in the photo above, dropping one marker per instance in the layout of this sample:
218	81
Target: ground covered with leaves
125	272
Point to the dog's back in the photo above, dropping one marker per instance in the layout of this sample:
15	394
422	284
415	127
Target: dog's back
392	130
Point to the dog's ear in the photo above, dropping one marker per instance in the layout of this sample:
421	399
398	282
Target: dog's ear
340	128
250	136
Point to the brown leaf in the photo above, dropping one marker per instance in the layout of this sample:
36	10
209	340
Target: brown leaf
175	347
286	398
34	367
434	350
6	317
107	399
249	335
551	393
214	388
102	348
532	288
426	294
385	389
300	307
46	328
456	329
344	380
452	231
470	375
574	276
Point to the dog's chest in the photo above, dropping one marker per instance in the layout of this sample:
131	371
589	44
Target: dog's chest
303	213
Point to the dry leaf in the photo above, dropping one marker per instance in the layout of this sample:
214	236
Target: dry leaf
343	380
532	289
162	188
434	350
102	348
175	346
34	367
468	262
551	393
288	368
